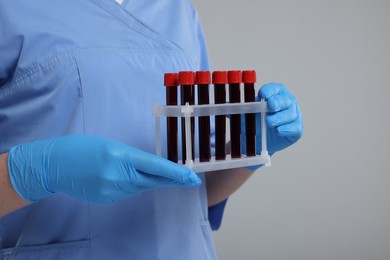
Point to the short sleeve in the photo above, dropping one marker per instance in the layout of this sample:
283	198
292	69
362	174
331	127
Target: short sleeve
216	214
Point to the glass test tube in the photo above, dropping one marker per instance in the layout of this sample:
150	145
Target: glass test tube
171	83
219	79
202	80
249	80
186	82
234	79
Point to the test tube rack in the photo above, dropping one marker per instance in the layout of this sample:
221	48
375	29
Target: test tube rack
187	111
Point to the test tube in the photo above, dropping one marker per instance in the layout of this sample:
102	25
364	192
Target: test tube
234	79
171	83
219	79
249	80
202	80
186	82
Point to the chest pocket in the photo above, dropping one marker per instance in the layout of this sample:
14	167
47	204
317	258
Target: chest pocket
43	102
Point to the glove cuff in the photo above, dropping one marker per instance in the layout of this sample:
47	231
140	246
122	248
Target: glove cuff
26	181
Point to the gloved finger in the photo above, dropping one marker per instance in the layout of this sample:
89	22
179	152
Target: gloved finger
280	102
149	181
271	89
283	117
292	131
155	165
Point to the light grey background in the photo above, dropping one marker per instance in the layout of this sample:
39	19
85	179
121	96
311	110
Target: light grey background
328	196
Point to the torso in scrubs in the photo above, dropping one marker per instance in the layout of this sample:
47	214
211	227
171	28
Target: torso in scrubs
96	67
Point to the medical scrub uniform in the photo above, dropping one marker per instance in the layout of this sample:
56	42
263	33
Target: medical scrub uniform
96	67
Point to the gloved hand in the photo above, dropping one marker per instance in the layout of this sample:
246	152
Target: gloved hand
284	119
90	168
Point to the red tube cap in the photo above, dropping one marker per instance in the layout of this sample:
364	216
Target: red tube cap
186	78
234	76
171	80
202	77
220	77
249	76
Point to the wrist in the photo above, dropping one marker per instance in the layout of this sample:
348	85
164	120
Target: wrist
27	180
10	200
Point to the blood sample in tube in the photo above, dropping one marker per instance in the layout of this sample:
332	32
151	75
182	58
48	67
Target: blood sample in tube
249	80
171	83
186	82
202	80
234	80
219	79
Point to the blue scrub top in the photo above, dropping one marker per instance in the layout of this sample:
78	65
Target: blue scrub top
96	67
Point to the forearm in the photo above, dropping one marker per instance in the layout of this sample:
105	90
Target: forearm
221	184
9	199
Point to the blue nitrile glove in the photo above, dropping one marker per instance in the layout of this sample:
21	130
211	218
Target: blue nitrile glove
90	168
284	119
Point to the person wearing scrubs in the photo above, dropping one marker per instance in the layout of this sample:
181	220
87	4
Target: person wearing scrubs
78	178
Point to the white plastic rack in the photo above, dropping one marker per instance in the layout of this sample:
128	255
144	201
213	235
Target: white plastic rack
187	111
